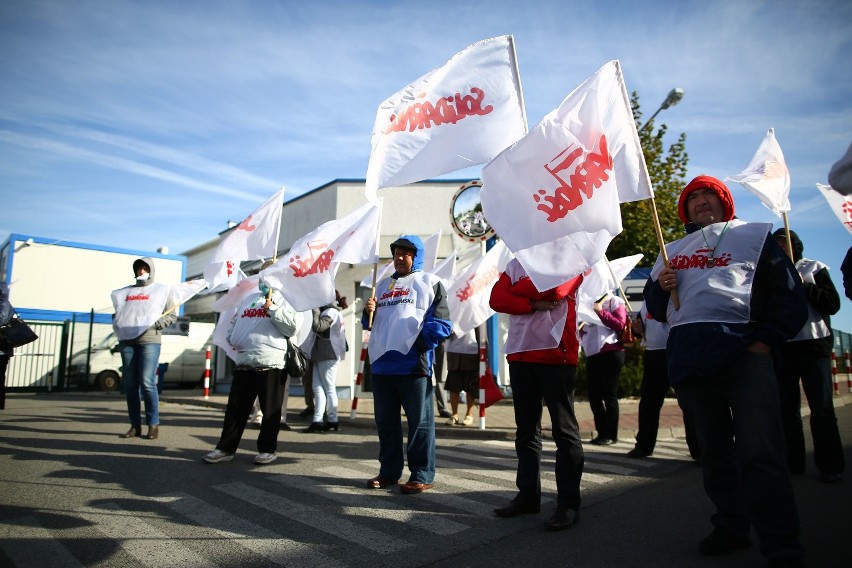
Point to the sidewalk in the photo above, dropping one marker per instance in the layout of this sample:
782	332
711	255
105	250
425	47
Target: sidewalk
499	418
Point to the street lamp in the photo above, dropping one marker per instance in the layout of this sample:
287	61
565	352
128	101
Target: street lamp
672	99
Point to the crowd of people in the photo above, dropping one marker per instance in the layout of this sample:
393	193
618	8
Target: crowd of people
750	330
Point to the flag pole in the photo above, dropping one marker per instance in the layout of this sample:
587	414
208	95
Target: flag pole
618	283
376	264
277	236
663	252
517	72
789	239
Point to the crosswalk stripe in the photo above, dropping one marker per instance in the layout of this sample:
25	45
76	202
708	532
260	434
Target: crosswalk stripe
27	543
366	537
135	532
359	504
251	536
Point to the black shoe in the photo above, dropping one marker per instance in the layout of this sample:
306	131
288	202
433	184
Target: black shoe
445	414
721	542
601	441
285	426
306	412
562	519
638	452
517	506
330	426
315	427
831	477
134	432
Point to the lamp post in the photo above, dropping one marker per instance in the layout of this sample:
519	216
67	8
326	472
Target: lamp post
674	97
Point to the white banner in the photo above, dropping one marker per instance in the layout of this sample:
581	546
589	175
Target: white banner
256	238
305	275
456	116
469	294
841	205
605	276
554	196
430	250
767	176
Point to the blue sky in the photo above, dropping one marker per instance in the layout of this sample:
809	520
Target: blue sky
142	124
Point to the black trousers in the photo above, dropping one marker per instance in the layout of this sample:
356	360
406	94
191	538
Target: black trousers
532	382
652	393
603	371
247	385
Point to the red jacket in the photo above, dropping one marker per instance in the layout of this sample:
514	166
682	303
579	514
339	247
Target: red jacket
515	300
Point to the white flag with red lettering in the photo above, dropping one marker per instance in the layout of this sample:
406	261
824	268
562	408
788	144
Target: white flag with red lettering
841	205
255	238
456	116
554	196
305	275
470	292
767	176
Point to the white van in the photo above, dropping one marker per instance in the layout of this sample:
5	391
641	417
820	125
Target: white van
185	355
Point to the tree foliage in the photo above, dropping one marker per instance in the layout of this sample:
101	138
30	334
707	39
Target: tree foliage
668	177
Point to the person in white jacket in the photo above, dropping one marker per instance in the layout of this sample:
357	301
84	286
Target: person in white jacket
258	334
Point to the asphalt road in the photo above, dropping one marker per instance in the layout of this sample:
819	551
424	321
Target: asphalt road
74	494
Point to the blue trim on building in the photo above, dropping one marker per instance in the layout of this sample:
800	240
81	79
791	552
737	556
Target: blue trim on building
33	314
88	246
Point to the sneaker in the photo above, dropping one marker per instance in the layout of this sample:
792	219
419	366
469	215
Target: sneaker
264	458
285	426
453	421
256	419
468	420
217	456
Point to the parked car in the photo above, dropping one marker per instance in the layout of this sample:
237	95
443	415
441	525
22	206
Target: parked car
185	355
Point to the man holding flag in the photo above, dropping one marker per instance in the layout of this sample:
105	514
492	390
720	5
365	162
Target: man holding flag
409	319
740	297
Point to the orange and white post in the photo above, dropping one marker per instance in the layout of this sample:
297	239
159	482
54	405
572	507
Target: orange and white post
207	373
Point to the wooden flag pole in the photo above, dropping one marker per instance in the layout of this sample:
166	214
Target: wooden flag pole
789	239
373	293
663	252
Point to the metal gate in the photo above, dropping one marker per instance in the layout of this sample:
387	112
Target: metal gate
36	365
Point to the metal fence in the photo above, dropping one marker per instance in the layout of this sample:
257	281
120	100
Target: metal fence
37	364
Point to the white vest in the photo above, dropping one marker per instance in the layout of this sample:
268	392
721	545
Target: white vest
401	305
815	327
137	308
336	335
656	334
253	329
466	344
541	329
721	293
594	337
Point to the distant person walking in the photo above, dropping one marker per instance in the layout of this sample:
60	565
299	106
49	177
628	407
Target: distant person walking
6	313
326	345
142	311
463	374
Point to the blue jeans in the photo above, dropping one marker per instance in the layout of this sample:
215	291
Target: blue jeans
738	421
324	386
414	396
139	372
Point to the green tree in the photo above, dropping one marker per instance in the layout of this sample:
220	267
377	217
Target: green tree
668	176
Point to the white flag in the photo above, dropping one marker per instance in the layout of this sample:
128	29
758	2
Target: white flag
841	205
305	275
445	269
605	276
554	196
367	282
469	294
767	176
183	292
430	250
255	238
456	116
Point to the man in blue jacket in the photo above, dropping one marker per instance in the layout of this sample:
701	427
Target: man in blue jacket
740	297
410	318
